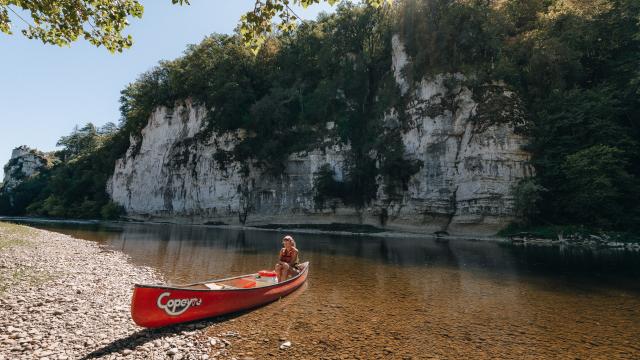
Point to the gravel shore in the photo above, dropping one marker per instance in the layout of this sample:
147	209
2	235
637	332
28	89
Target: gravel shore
66	298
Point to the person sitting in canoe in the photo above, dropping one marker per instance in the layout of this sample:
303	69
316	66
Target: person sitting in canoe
288	261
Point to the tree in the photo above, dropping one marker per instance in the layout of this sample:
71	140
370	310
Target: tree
101	22
256	25
527	195
598	186
85	140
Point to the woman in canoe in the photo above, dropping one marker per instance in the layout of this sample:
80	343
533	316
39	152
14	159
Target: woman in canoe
288	261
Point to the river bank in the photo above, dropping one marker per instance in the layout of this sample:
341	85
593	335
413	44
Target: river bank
311	228
66	298
559	237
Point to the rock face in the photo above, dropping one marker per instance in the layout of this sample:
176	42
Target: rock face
469	146
24	163
170	173
471	162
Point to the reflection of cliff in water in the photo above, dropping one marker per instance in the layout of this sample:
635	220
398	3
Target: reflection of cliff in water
211	249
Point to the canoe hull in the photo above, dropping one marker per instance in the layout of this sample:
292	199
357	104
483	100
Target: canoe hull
157	306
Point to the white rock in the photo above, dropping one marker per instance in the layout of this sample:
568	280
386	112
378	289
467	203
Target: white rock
468	171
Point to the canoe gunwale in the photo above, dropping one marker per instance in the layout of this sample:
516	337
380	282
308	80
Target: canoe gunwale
184	287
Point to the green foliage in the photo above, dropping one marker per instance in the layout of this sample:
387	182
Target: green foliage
15	202
111	211
101	22
85	140
74	187
6	208
527	194
13	235
585	141
395	168
449	36
256	25
598	189
574	64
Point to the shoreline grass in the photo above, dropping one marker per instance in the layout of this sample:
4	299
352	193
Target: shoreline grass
14	235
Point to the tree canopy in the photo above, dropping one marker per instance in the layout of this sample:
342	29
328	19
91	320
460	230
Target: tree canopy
257	25
102	22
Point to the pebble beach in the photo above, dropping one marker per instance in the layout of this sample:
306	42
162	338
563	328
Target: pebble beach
65	298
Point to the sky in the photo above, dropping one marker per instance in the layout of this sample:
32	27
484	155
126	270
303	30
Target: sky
46	90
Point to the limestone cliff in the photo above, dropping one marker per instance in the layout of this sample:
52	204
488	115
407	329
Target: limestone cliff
468	142
23	164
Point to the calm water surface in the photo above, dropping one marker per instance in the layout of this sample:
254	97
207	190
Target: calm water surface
371	297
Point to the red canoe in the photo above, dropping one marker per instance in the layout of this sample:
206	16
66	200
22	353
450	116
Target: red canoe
155	306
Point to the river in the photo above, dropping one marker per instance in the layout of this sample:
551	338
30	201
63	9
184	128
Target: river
405	298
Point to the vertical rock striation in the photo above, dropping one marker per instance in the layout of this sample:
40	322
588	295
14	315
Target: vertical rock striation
469	143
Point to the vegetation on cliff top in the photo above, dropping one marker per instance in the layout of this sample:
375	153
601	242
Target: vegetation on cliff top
74	187
574	65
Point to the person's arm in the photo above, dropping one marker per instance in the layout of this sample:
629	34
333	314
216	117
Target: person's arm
294	257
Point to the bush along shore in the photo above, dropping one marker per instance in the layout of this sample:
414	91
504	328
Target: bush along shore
570	236
66	298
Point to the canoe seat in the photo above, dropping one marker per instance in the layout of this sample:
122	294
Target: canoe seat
196	287
243	283
214	286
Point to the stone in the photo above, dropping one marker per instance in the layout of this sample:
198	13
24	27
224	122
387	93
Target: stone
285	345
41	334
23	164
470	162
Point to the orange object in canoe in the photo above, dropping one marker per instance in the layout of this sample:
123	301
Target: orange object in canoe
155	306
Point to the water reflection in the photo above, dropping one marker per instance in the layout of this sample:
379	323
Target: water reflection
188	252
447	299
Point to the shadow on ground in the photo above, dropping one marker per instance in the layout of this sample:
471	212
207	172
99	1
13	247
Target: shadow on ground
147	335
